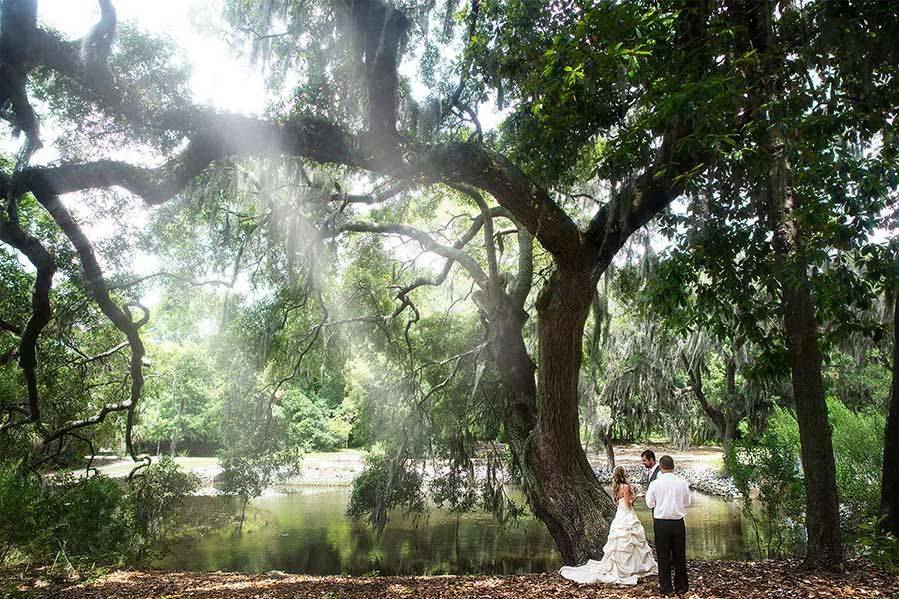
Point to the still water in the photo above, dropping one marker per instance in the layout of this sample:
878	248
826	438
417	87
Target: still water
307	532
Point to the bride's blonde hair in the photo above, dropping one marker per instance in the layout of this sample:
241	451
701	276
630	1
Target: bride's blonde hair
619	477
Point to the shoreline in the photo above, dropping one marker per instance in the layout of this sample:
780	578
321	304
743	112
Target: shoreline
335	469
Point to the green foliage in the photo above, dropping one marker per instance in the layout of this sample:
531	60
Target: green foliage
20	500
182	398
257	448
881	549
384	485
769	467
149	72
246	476
80	521
456	490
309	424
858	447
88	521
157	494
860	384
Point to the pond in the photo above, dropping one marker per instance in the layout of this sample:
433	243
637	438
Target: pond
306	532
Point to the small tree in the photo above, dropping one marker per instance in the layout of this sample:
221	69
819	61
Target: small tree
247	476
254	447
156	495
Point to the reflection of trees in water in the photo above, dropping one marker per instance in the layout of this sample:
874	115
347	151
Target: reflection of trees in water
309	533
437	546
200	515
714	528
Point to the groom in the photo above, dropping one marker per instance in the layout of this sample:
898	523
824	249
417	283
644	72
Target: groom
669	496
648	457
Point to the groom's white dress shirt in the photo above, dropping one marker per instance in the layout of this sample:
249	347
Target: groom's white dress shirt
669	495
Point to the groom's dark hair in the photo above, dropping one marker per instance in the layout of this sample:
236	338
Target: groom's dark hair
648	453
666	462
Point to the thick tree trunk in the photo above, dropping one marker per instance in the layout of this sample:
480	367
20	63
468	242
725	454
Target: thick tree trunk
517	371
781	208
567	497
730	431
889	489
569	500
822	504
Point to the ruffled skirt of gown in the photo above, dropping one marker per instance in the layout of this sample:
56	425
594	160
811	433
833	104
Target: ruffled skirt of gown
626	558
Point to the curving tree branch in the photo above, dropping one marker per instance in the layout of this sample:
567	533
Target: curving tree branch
378	32
427	242
10	328
120	317
12	234
17	39
214	136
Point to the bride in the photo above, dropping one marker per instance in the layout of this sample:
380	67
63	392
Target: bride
626	555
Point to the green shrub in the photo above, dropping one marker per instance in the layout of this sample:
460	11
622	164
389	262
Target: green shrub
246	472
771	463
881	549
86	520
385	484
92	518
23	517
309	424
768	465
156	496
858	448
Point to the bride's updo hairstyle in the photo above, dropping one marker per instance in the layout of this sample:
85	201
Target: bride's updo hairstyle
619	477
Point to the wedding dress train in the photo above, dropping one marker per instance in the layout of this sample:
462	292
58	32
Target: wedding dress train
626	555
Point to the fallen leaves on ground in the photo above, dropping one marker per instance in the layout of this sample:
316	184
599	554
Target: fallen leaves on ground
708	580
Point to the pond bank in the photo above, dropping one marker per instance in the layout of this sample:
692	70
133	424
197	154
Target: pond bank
709	580
699	465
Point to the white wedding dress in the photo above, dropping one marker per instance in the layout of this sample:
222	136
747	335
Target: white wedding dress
626	557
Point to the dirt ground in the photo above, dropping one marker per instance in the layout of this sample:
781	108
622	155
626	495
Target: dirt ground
708	580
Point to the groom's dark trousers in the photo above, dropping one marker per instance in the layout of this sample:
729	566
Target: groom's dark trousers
671	550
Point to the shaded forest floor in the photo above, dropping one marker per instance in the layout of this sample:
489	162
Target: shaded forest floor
713	579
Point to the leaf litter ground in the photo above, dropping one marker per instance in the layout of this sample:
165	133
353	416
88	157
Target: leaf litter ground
709	580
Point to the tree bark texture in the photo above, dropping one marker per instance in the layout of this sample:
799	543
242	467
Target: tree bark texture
572	503
824	548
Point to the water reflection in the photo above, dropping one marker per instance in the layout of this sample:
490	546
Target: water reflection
307	532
